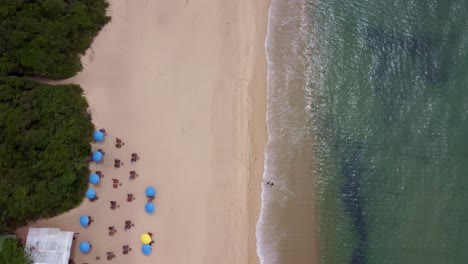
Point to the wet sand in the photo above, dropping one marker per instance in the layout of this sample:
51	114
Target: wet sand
183	83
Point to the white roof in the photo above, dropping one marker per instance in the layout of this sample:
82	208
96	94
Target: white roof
49	245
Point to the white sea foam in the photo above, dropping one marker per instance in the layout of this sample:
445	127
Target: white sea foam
285	45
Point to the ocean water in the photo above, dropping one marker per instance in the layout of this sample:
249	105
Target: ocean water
368	133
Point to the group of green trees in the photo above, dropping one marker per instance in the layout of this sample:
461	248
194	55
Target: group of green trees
45	130
12	253
44	143
46	37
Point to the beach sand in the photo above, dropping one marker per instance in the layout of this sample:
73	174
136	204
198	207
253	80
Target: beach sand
183	83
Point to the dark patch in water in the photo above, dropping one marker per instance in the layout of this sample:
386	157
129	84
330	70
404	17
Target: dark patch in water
391	48
352	168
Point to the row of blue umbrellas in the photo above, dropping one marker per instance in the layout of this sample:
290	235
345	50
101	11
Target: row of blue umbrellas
85	247
150	191
98	137
94	179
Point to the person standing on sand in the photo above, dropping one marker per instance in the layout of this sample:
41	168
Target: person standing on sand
270	183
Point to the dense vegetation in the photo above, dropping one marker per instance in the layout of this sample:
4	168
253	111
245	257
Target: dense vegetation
12	253
45	37
45	130
44	143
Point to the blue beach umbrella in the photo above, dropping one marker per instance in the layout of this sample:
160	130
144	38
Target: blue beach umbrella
91	193
150	191
94	178
149	207
84	220
85	247
97	156
98	136
146	249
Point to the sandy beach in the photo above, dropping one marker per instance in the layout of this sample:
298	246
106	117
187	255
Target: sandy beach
183	84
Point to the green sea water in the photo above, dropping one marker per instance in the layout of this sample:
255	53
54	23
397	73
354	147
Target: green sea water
388	108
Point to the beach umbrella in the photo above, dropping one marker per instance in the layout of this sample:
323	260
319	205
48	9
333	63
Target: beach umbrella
85	247
150	191
97	156
91	193
145	239
98	136
94	178
146	249
84	220
149	207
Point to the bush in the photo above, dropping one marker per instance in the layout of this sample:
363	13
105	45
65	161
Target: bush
44	143
12	253
46	37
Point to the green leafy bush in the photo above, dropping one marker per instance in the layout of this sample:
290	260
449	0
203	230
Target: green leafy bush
12	253
45	37
44	143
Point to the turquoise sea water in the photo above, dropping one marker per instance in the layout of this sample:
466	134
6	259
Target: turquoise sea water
385	88
391	111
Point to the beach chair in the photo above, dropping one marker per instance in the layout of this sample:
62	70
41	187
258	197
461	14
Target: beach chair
114	205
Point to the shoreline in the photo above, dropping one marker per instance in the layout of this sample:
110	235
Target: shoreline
257	127
214	49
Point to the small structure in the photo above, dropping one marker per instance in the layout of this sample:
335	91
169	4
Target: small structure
112	230
130	197
97	156
150	191
128	225
91	194
85	221
146	249
85	247
49	245
145	239
94	178
98	136
149	208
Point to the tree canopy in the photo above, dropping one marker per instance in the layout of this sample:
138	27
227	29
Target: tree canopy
45	130
44	142
45	37
12	253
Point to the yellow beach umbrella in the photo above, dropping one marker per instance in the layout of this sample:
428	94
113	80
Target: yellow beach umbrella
145	239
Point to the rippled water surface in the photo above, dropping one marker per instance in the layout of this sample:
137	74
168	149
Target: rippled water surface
367	119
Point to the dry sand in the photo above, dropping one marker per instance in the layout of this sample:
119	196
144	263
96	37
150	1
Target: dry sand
183	83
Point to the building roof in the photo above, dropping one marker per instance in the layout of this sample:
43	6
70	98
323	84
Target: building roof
49	245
